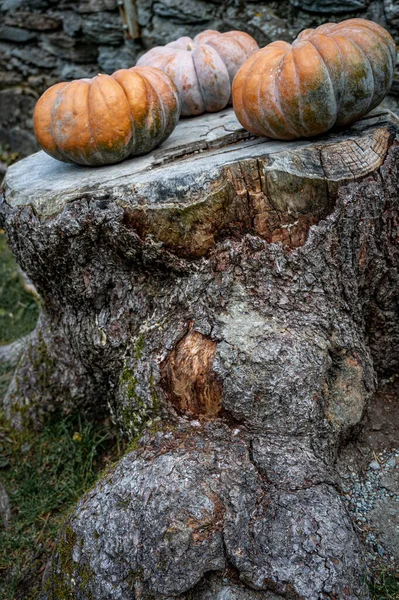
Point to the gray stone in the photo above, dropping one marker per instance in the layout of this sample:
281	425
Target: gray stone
328	6
92	6
390	480
35	4
72	23
18	139
35	56
104	28
267	26
15	34
391	9
110	59
32	20
69	71
385	521
9	79
13	103
375	465
70	49
184	11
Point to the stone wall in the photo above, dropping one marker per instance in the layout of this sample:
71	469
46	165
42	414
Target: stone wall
45	41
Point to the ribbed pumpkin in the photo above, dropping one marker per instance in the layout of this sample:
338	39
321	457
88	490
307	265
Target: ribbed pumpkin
330	75
104	120
203	68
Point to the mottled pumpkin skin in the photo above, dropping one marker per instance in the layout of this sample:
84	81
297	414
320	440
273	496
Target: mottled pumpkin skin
203	68
108	118
329	76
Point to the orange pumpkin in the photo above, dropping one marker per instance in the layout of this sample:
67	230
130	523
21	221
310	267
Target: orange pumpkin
330	75
203	68
104	120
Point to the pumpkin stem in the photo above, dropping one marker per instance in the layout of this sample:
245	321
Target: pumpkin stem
190	47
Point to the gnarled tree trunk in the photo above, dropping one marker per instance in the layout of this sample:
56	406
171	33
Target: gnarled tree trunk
241	294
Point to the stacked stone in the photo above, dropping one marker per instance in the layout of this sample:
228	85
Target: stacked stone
46	41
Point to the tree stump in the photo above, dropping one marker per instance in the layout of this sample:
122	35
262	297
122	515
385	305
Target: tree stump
240	296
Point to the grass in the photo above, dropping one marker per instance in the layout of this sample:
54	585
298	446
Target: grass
44	475
386	587
19	310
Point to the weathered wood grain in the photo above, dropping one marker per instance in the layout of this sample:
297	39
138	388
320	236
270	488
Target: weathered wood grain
203	182
198	145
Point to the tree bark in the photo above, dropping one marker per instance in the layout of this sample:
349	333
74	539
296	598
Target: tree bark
239	294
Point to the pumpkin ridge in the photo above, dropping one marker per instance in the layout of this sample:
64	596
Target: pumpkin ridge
342	75
208	43
197	86
255	116
163	117
94	143
219	99
151	109
370	105
80	152
170	123
246	81
199	83
326	69
288	124
45	135
52	124
65	124
110	110
162	109
237	40
238	90
186	111
287	118
132	141
374	35
173	89
382	40
381	33
350	77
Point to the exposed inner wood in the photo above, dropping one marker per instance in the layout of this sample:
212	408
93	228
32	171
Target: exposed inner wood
189	381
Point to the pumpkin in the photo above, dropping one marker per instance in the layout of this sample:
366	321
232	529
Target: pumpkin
329	76
105	119
203	68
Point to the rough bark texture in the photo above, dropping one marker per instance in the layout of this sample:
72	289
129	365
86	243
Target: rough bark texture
46	41
241	293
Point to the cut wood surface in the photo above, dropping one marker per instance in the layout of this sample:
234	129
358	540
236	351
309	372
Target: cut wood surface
241	295
200	145
211	176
